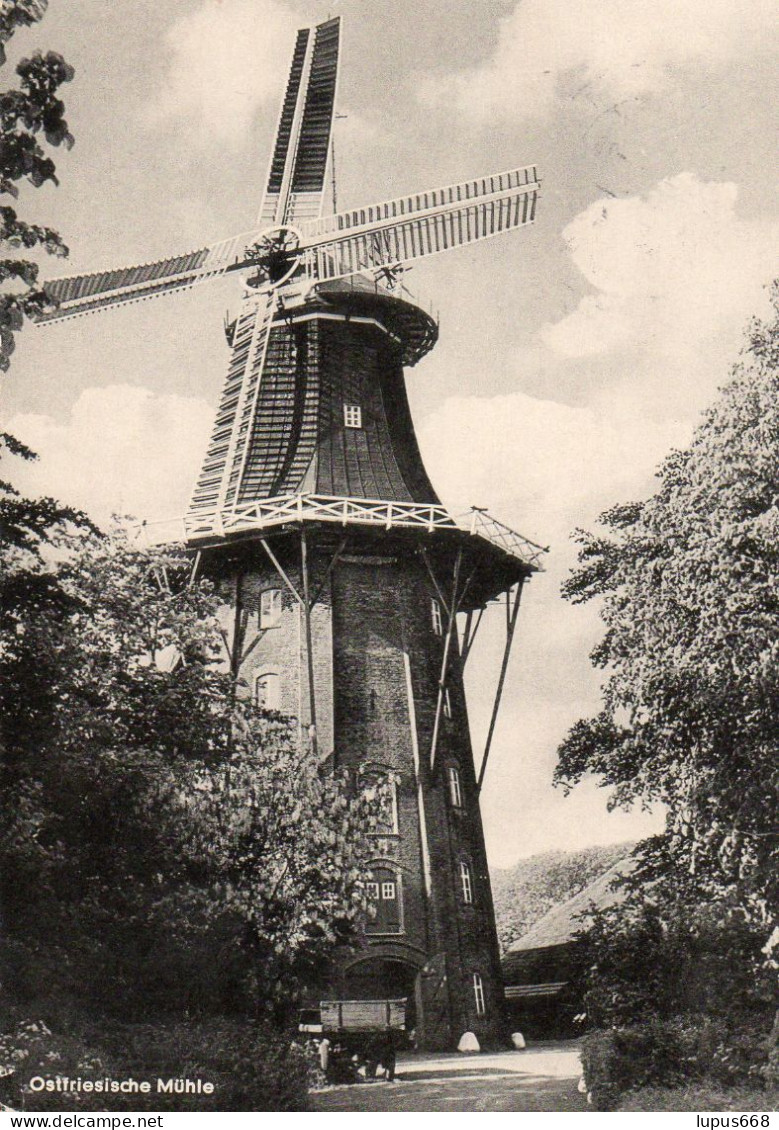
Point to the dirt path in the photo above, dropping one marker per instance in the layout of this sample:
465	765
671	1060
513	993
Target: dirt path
542	1078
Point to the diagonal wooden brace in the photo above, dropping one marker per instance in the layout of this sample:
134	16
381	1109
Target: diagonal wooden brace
469	635
333	562
450	627
511	623
277	565
434	579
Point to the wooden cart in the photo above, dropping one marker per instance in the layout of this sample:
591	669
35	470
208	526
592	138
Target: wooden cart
351	1035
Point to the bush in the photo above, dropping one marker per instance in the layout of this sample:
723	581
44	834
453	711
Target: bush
251	1069
617	1060
31	1050
734	1056
668	953
667	1053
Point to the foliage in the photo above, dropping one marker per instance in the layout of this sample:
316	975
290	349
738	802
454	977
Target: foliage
689	596
616	1060
526	891
147	815
250	1070
669	1053
666	950
31	117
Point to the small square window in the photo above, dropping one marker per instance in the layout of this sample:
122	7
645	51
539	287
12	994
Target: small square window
270	608
352	416
435	612
372	891
388	891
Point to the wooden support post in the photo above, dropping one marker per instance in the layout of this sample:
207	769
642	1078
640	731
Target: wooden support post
470	637
445	660
306	605
511	623
466	636
434	579
333	562
234	650
193	576
247	651
412	720
309	648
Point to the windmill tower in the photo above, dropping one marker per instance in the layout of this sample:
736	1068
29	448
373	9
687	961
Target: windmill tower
343	575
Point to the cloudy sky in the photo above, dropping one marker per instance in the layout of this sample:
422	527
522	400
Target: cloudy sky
573	355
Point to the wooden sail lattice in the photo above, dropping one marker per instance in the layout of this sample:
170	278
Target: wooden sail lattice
412	227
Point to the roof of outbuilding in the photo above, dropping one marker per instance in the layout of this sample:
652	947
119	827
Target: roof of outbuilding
559	925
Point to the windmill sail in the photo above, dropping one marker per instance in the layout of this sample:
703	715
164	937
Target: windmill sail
298	166
82	294
412	227
220	475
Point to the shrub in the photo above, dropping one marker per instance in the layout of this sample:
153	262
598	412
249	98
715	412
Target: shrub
616	1060
31	1050
668	953
734	1055
667	1053
251	1069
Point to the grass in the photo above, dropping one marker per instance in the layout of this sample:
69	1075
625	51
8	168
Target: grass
701	1097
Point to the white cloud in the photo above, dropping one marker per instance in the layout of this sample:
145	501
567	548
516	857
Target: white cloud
229	59
677	276
624	48
543	462
124	449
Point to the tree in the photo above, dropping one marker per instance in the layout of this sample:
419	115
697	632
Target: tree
29	529
165	850
31	116
688	587
526	891
665	948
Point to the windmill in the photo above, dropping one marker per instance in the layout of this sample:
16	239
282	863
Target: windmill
343	575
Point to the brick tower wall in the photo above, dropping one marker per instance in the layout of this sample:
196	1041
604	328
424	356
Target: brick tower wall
377	662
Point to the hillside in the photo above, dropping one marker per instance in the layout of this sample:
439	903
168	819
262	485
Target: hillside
526	891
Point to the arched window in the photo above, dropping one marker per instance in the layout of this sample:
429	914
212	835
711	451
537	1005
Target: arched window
466	882
455	791
270	608
267	690
385	902
478	994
